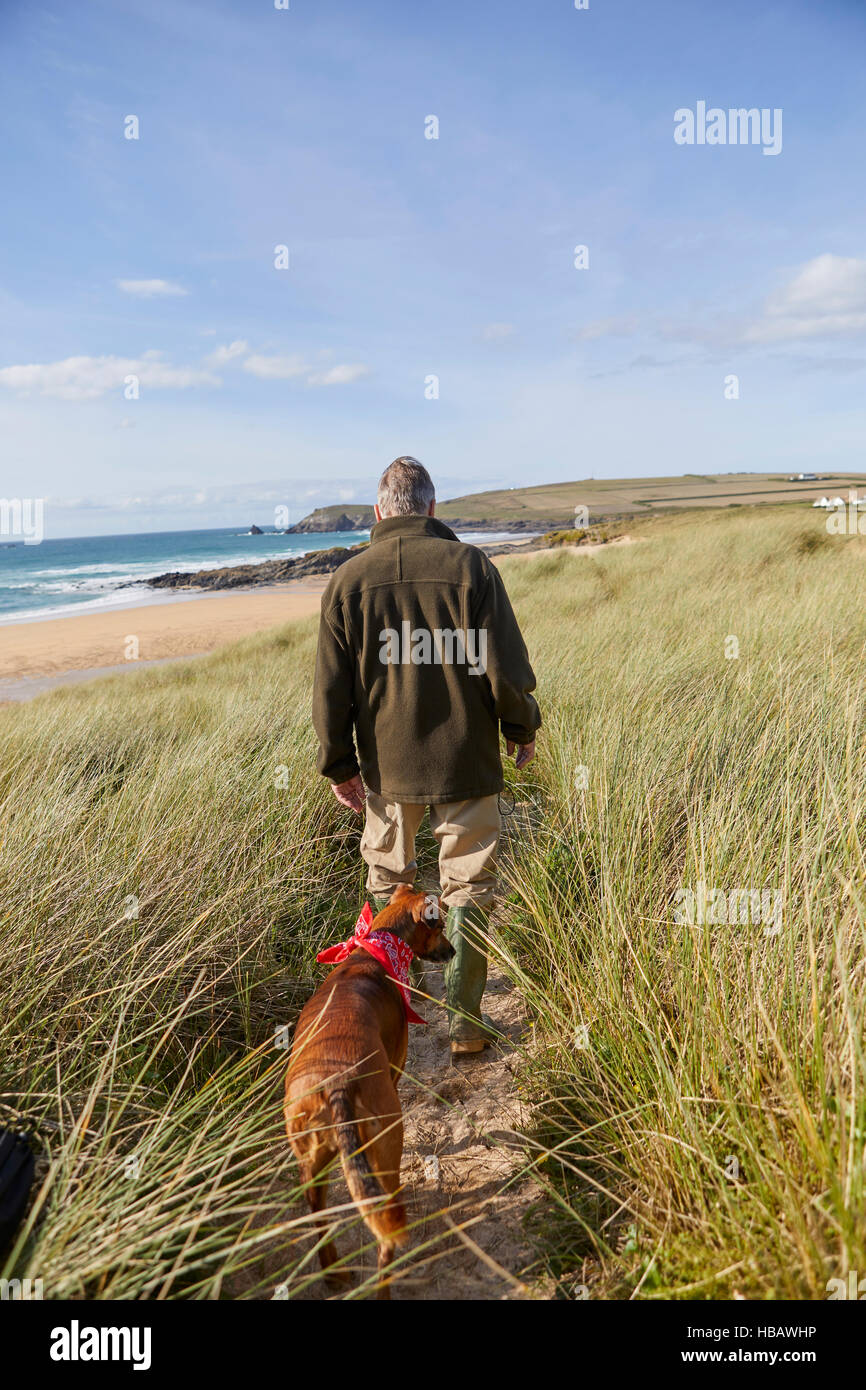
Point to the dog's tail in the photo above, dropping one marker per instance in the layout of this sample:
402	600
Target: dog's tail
387	1218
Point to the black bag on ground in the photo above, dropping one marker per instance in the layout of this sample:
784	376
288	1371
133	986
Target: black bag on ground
17	1167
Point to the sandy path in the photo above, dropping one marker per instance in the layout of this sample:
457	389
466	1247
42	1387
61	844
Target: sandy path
587	549
463	1116
466	1115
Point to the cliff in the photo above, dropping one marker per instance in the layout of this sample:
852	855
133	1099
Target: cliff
334	519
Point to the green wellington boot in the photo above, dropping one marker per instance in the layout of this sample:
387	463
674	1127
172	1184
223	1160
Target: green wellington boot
465	978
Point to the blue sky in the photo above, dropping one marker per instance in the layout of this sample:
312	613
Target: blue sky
412	257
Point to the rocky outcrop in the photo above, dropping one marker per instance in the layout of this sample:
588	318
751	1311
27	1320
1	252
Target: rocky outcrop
333	519
256	531
245	576
325	561
362	518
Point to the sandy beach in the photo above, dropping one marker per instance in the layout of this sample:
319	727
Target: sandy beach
98	641
35	656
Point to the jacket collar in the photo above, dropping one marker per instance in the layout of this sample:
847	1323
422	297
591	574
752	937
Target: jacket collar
410	527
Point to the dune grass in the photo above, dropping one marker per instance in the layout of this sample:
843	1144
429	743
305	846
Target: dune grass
169	870
699	1086
171	864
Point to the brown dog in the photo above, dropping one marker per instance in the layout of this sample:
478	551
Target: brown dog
348	1051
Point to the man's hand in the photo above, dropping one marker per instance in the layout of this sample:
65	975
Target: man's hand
525	752
350	793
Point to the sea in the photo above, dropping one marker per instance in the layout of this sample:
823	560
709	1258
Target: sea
57	578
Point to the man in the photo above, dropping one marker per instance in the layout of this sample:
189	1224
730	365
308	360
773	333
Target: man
421	663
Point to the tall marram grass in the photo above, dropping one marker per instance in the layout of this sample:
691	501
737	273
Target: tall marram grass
170	864
169	868
700	1088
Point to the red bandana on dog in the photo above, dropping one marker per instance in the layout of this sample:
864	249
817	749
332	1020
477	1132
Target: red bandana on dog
392	953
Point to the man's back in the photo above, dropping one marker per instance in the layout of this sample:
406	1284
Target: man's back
419	650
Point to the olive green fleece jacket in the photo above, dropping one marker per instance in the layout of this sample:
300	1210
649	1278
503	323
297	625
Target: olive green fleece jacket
420	663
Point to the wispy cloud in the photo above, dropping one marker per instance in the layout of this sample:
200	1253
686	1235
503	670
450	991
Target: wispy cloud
825	298
342	375
644	362
289	368
275	368
228	353
84	378
151	289
257	498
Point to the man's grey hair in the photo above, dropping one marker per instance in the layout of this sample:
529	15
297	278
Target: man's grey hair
405	488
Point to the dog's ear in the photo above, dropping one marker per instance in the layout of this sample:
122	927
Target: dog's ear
399	914
428	910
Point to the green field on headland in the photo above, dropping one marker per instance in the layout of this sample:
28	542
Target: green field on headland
554	503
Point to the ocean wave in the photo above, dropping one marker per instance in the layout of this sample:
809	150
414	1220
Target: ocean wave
86	584
108	567
135	597
64	586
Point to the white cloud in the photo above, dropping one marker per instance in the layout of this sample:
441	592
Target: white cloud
150	289
288	368
825	298
338	376
84	378
227	353
275	368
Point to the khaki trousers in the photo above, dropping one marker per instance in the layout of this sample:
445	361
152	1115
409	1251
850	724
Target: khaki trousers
468	836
